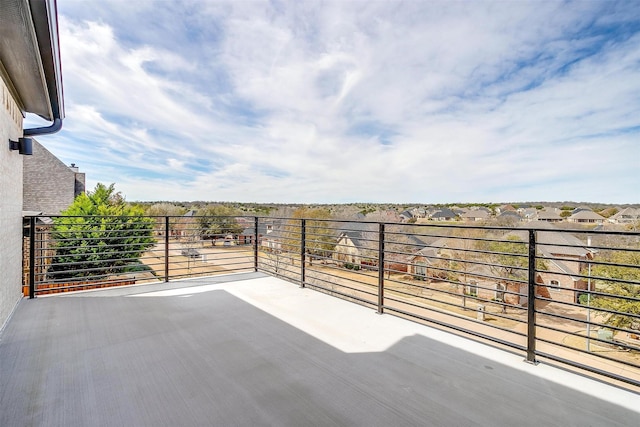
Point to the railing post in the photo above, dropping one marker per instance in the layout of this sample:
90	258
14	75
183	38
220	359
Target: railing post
166	248
303	238
531	300
255	244
381	268
32	257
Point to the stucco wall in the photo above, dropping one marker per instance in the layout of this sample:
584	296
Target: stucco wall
10	205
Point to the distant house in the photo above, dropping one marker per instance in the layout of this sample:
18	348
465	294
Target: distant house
476	215
626	216
586	216
511	216
549	215
560	280
49	186
505	208
272	236
529	214
350	247
429	261
443	214
406	215
580	209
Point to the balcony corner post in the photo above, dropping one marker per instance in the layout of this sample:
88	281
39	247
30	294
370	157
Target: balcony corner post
32	257
166	248
255	243
531	300
381	268
303	238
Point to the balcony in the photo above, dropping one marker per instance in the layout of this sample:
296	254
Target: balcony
310	322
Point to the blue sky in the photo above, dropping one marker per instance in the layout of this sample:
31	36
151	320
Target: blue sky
345	101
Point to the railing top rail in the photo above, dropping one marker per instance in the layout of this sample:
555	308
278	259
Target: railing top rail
435	224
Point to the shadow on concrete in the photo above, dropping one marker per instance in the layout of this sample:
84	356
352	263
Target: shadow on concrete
213	359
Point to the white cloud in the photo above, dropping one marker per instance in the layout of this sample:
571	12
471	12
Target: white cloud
344	101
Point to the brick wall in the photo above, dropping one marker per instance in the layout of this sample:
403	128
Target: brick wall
10	204
50	186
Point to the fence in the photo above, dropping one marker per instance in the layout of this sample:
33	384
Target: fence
570	296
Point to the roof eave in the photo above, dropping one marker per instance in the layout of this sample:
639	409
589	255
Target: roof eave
30	55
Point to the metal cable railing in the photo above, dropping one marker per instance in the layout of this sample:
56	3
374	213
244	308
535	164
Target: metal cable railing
570	296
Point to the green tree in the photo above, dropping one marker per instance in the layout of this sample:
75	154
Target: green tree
319	240
509	259
624	298
99	235
218	221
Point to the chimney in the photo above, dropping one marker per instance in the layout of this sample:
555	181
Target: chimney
74	168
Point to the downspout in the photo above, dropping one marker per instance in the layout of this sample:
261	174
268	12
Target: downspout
49	8
55	127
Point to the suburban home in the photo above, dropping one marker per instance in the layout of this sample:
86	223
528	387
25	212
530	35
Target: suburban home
443	215
429	261
505	208
476	215
357	243
406	215
350	247
528	214
30	82
626	216
586	216
549	215
270	234
559	281
509	216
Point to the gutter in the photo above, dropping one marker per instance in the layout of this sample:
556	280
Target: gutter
45	13
46	130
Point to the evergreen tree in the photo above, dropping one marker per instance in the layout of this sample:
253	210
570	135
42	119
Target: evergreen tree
99	235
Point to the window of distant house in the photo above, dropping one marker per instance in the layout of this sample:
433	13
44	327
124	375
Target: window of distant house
472	288
554	283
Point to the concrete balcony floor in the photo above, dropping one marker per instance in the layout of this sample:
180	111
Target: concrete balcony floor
253	350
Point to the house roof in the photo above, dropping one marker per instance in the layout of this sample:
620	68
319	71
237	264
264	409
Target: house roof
586	214
356	238
444	213
546	214
510	214
582	208
553	242
476	213
627	214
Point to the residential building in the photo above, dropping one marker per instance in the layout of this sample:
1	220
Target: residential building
549	215
443	214
30	82
476	215
586	216
626	216
567	258
49	186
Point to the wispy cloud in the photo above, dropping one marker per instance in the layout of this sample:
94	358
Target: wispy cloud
349	101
